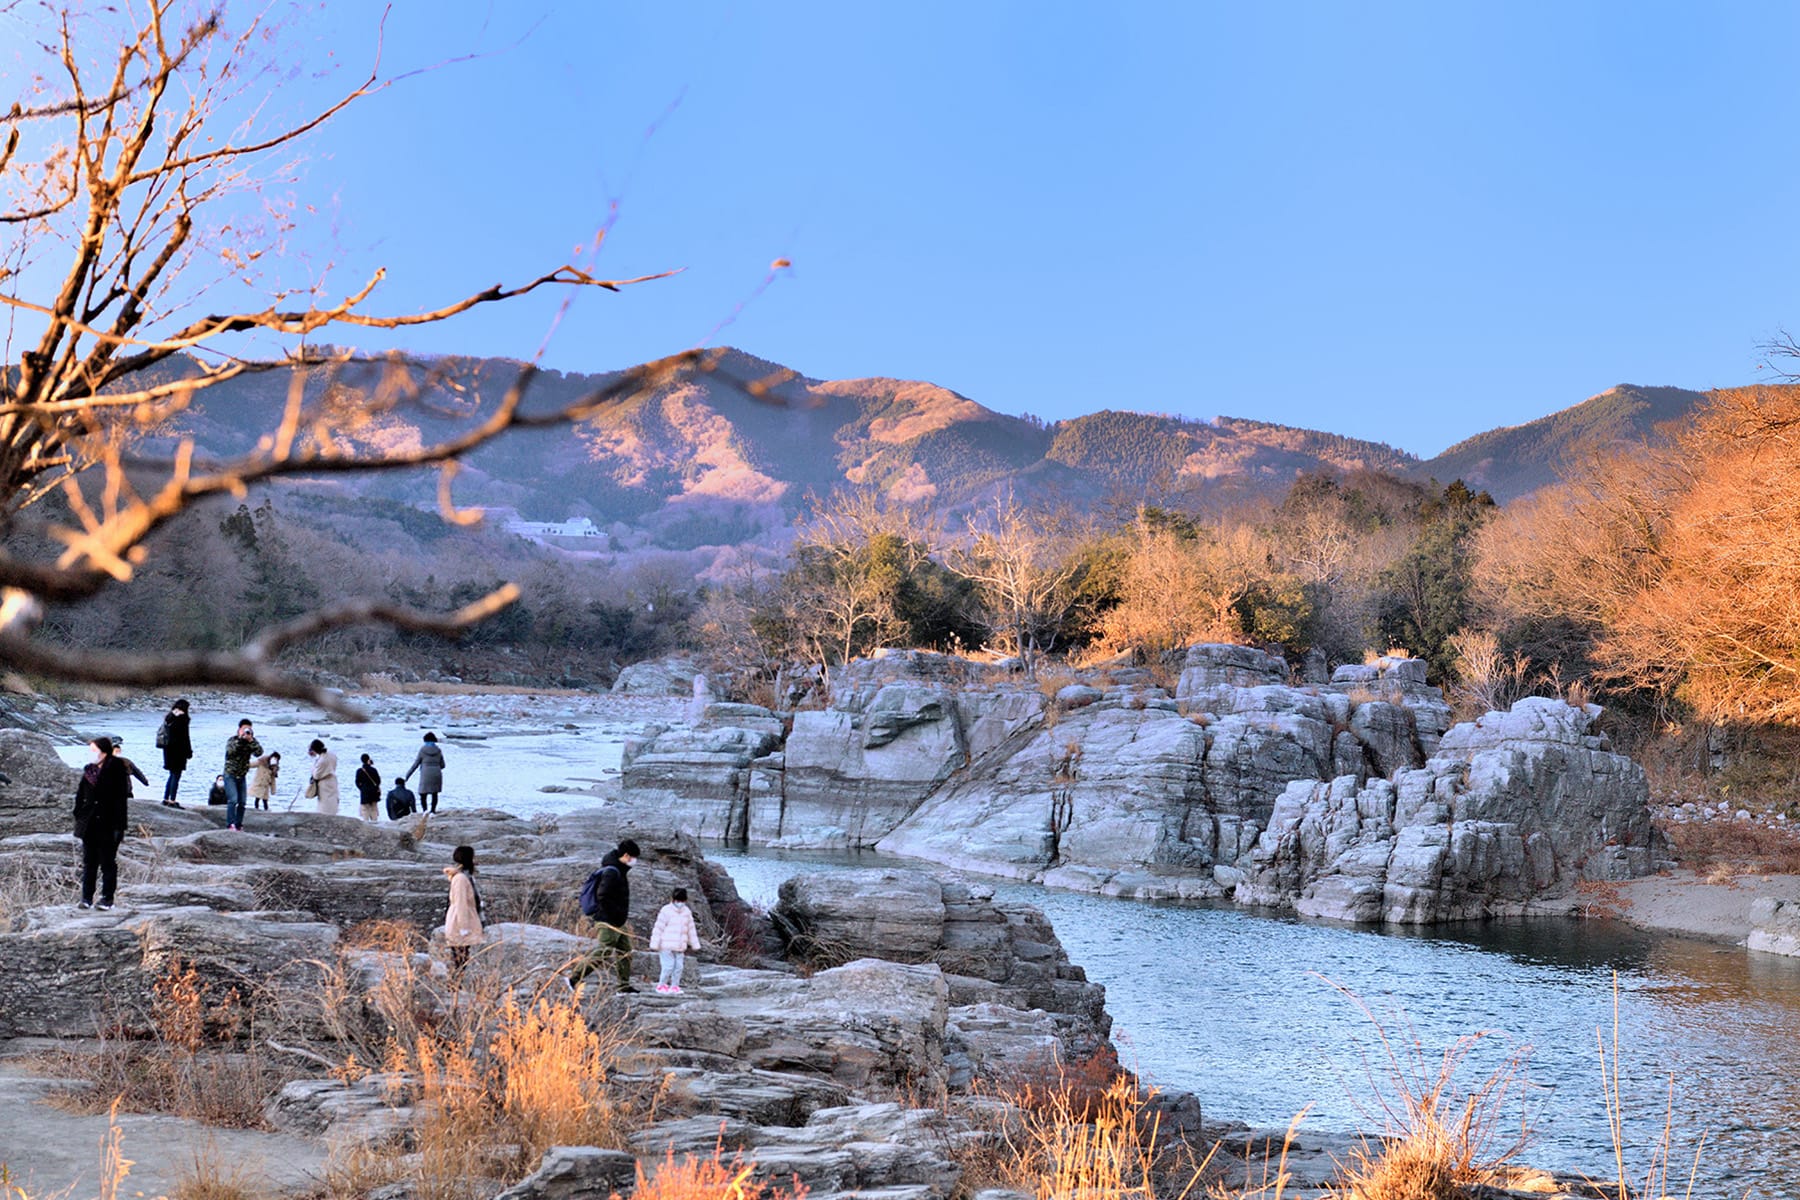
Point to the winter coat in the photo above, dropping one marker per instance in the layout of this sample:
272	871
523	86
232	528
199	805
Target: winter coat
614	890
178	746
462	924
239	752
101	811
429	763
324	777
675	928
400	802
266	779
368	786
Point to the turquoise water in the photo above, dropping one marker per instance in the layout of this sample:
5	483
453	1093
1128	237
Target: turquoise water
1250	1013
1245	1010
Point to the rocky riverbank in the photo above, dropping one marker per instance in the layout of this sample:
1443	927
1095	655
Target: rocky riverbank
859	1038
1349	797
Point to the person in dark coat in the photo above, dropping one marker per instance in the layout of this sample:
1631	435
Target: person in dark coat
614	894
177	748
429	763
368	789
132	770
101	816
400	801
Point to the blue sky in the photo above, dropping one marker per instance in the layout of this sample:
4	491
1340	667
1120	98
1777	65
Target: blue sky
1402	222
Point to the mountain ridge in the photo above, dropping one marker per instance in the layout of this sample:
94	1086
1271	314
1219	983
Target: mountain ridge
732	453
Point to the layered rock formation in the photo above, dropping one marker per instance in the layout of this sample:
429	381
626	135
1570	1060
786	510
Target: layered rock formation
1115	786
1513	807
793	1067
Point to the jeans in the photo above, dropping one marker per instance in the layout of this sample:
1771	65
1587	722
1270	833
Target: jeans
234	800
99	855
174	783
672	962
612	950
428	802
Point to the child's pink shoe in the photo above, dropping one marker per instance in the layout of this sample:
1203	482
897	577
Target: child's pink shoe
674	989
662	989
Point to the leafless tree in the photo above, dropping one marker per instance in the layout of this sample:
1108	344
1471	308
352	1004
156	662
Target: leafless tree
1024	563
117	167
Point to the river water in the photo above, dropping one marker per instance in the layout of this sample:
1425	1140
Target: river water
1253	1013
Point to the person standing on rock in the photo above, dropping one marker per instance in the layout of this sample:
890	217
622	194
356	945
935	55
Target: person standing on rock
240	752
429	763
368	789
675	934
267	779
606	897
101	815
177	746
323	783
462	923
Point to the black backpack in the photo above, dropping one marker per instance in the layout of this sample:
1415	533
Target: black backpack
162	735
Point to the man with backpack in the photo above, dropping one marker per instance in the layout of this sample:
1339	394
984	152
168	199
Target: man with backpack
606	897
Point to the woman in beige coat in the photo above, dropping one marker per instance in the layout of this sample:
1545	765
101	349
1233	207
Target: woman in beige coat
462	924
266	779
324	783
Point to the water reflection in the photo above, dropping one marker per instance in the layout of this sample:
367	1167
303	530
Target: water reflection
1241	1009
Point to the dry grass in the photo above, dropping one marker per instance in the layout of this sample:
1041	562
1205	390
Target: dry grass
202	1061
491	1110
1437	1137
503	1072
210	1177
26	884
714	1178
1736	847
1074	1130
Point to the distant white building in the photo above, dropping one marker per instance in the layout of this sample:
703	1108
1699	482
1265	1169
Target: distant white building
574	527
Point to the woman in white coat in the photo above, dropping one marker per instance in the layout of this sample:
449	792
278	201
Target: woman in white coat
323	781
672	938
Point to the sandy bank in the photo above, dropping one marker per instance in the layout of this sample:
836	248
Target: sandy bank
1686	903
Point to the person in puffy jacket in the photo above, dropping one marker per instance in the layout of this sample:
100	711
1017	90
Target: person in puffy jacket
429	763
266	778
675	934
101	816
462	923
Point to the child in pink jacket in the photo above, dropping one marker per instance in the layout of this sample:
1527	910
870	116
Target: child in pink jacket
672	938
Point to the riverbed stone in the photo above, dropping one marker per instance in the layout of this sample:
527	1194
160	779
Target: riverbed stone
1513	808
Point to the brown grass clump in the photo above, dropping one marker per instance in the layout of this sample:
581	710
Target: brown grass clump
1083	1130
203	1060
1437	1137
714	1178
209	1177
502	1080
